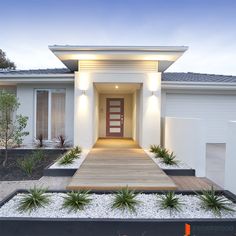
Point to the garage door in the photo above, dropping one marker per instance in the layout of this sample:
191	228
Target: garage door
216	110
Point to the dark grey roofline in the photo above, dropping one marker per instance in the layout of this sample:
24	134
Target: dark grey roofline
166	77
36	72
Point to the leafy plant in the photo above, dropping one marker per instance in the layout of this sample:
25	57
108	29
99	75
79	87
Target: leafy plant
11	130
169	159
155	148
67	159
40	140
27	165
77	150
170	201
214	202
62	141
125	199
20	133
38	156
35	198
162	153
75	201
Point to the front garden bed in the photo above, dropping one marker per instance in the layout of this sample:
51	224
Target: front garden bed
99	219
57	169
180	169
12	171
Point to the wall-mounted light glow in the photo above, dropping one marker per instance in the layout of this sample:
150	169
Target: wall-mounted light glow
116	86
153	83
83	92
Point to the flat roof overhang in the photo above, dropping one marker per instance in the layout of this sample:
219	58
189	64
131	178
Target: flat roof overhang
165	55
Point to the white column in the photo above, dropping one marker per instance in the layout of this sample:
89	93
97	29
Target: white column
83	110
230	160
150	115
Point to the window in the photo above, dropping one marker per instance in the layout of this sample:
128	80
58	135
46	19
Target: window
50	113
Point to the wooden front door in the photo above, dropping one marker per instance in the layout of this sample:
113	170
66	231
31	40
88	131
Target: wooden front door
115	117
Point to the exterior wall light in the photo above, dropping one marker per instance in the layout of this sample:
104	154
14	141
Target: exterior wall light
83	92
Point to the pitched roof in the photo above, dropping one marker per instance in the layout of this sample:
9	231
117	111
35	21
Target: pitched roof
35	72
167	76
197	77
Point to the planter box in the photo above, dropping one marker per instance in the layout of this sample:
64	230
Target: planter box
115	227
58	172
180	172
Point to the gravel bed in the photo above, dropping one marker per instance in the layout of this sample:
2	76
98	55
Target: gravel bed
100	207
180	164
75	165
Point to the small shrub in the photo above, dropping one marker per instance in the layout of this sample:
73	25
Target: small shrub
40	140
62	141
169	159
75	201
27	165
36	198
155	148
67	159
170	202
213	202
32	161
162	153
125	199
38	155
77	150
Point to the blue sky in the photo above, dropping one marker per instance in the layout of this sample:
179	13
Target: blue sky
208	27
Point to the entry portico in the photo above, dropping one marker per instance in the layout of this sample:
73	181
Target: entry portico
103	73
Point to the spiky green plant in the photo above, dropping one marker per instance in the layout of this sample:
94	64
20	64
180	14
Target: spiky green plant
77	150
214	202
170	201
34	199
162	153
75	201
169	159
155	148
27	165
67	159
125	199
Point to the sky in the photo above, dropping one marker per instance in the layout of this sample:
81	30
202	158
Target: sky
207	27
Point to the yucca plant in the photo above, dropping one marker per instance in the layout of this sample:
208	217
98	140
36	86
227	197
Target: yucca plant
34	199
214	202
125	199
77	150
67	159
162	153
169	159
170	201
75	201
155	148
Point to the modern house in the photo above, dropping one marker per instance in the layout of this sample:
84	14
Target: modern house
119	91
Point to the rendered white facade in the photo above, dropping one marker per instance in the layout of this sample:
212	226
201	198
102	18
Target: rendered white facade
184	116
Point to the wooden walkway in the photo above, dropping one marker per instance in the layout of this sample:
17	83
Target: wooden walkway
113	164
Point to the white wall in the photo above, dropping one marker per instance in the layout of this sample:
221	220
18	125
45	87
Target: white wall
186	138
230	160
84	110
96	115
26	96
150	110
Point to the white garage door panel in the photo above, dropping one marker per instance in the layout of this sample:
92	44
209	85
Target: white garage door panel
216	110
